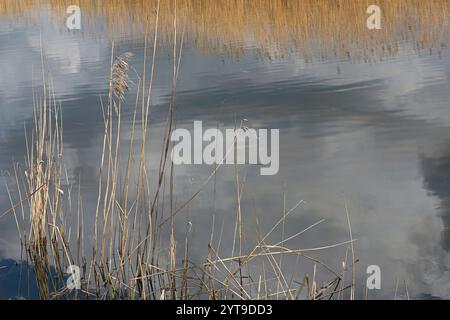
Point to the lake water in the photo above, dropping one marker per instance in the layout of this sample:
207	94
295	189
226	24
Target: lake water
357	127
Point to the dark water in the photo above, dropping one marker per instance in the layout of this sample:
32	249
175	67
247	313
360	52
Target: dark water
373	135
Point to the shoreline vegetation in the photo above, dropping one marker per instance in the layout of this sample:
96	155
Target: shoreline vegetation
269	29
133	252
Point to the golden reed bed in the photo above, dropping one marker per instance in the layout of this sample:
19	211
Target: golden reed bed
269	28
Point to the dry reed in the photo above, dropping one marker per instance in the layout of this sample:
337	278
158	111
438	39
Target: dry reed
268	28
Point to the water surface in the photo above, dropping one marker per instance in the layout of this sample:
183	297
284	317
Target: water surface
366	124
